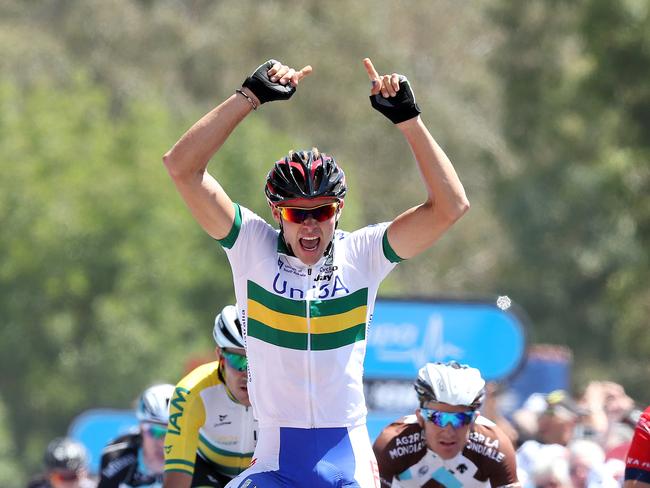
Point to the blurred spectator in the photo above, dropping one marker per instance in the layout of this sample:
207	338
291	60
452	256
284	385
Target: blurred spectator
608	406
66	466
524	420
609	475
531	457
595	428
551	472
558	422
558	416
585	456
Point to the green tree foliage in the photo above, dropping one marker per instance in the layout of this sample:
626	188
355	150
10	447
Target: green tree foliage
10	473
106	283
196	52
577	118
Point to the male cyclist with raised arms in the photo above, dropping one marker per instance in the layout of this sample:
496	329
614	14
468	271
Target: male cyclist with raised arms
137	458
212	433
305	292
447	442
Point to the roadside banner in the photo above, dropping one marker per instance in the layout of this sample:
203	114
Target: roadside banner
96	427
405	334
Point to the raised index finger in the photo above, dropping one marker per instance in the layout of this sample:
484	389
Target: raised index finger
299	75
370	69
304	72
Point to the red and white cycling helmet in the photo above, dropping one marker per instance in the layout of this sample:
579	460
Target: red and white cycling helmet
305	174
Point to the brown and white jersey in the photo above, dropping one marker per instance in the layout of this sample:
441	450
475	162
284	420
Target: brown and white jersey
404	460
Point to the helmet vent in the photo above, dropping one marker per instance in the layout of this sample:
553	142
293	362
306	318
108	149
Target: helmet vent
305	174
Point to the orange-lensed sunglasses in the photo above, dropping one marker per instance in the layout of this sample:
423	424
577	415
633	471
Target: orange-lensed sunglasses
298	215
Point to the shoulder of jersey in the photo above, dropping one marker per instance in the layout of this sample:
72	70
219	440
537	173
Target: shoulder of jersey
205	373
484	421
124	442
404	431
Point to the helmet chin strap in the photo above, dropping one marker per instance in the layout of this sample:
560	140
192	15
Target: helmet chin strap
286	244
221	372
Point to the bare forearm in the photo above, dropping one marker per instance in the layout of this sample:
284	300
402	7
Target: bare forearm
191	154
443	186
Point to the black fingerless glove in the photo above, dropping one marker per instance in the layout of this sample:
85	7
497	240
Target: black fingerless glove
399	108
265	89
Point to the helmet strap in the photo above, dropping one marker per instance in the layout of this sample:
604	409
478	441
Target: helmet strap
286	244
221	373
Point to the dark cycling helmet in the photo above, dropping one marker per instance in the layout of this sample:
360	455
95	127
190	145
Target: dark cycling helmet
153	405
450	383
227	329
65	454
305	174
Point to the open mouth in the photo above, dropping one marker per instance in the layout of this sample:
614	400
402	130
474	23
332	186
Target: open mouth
309	243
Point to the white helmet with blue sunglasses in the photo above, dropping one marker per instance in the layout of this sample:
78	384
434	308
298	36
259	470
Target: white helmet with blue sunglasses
451	383
153	404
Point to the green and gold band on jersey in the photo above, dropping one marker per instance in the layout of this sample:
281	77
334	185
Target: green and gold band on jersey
329	324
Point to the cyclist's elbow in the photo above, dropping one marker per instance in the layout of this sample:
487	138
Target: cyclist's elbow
458	208
450	214
462	207
175	170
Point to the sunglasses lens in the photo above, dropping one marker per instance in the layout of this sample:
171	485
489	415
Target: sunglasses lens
324	212
236	361
294	215
442	419
298	215
157	431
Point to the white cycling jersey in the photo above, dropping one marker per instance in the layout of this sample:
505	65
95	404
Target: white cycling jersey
306	326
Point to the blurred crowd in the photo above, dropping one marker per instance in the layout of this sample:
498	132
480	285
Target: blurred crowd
561	441
564	441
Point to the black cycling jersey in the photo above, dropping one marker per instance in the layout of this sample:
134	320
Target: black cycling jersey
206	475
119	464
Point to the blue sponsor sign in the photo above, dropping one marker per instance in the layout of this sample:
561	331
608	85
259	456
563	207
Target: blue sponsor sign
405	335
97	427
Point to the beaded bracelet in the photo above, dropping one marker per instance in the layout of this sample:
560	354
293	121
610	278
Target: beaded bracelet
252	102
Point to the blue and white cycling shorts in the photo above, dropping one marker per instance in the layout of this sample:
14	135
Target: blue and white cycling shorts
314	458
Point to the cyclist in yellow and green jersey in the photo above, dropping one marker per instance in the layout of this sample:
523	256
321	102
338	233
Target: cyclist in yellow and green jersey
211	433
